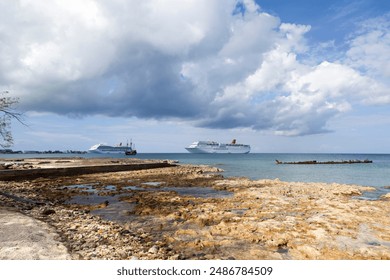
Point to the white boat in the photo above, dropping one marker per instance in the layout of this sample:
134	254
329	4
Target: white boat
106	149
212	147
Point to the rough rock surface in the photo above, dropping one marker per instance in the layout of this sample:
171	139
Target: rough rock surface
159	214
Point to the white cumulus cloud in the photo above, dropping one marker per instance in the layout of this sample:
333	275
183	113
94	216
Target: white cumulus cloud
199	61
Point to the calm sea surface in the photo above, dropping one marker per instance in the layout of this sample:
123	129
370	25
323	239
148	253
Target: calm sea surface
262	166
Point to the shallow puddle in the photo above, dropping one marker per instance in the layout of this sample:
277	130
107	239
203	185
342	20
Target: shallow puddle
239	211
374	195
154	184
110	188
92	199
282	250
201	192
83	188
117	210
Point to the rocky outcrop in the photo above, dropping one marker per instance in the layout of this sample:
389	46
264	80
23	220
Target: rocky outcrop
262	219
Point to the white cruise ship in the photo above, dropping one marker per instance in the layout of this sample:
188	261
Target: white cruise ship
212	147
106	149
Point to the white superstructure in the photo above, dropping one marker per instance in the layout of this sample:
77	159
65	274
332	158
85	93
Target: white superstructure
106	149
210	147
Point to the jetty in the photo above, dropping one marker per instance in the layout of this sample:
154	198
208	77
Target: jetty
32	168
324	162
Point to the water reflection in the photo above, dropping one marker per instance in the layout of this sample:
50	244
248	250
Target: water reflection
112	207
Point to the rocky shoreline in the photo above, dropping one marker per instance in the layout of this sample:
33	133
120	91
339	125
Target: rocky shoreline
192	212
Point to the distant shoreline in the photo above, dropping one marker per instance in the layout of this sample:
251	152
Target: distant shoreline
11	152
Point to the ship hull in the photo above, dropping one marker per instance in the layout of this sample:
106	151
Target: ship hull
107	152
216	151
105	149
211	147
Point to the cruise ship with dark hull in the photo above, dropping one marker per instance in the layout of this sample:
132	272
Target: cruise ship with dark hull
119	149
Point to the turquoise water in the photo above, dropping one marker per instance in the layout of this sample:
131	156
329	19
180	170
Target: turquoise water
262	166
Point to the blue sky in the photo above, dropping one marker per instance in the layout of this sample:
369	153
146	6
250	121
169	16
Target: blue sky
282	76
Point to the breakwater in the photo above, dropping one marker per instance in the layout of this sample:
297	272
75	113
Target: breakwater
43	168
324	162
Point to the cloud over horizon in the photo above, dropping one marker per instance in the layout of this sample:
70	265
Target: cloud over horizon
215	64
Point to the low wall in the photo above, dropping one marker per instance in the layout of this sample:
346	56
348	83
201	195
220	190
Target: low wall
23	174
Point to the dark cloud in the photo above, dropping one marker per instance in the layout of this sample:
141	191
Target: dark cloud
199	61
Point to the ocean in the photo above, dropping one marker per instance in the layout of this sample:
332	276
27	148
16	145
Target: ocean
263	166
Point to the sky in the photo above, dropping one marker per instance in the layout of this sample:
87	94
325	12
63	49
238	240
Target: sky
282	76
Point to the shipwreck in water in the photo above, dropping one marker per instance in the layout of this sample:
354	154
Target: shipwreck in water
324	162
